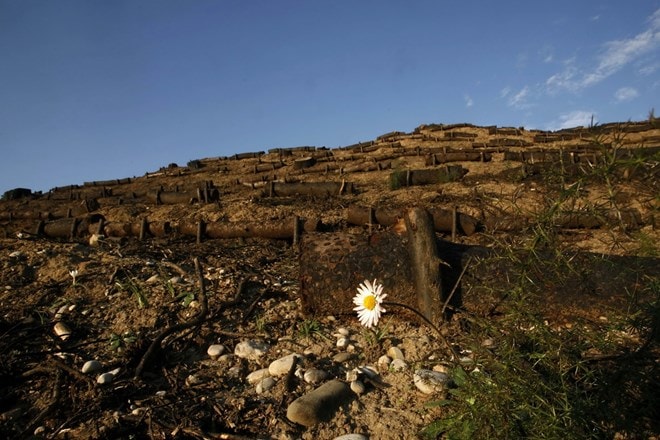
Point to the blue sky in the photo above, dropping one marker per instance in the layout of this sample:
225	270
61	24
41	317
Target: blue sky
96	90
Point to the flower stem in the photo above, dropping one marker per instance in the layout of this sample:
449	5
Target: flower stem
427	322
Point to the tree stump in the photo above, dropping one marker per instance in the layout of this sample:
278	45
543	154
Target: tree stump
425	263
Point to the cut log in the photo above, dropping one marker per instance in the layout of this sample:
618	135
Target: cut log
303	162
280	229
425	263
399	179
442	218
310	189
458	156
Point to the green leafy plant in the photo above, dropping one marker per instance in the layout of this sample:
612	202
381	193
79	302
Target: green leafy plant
135	290
310	328
186	298
118	342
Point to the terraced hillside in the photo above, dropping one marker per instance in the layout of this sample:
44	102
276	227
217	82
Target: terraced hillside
120	263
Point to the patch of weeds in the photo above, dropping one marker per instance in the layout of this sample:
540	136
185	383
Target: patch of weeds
186	298
646	245
120	342
310	328
135	290
376	335
539	382
260	323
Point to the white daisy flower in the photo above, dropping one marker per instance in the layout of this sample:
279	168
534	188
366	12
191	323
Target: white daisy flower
368	302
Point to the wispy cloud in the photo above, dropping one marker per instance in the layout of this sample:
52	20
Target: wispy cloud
504	92
572	119
626	94
519	100
615	55
649	69
468	101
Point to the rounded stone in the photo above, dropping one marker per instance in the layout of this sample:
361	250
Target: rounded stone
340	358
343	331
92	366
251	350
62	330
315	376
351	437
105	378
215	351
281	366
398	365
384	361
429	382
153	279
395	353
265	384
257	376
358	387
320	404
342	342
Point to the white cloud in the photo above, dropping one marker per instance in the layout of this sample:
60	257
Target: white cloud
626	94
468	101
649	69
615	55
573	119
504	92
519	100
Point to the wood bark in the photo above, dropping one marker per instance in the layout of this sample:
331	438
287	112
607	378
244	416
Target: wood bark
400	179
279	229
442	218
425	263
310	188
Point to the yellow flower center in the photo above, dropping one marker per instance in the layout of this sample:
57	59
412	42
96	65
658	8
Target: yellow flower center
369	302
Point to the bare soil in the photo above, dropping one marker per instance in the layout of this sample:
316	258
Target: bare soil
116	308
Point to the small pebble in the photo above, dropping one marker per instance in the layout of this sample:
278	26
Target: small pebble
265	384
281	366
488	343
429	382
343	331
175	280
92	366
153	279
62	330
60	312
257	376
315	376
384	361
214	351
193	380
398	365
105	378
351	437
340	358
358	387
251	349
395	353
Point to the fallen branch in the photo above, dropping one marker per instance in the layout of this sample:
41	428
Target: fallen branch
199	319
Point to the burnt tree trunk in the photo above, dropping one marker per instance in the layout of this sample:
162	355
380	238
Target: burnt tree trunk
425	263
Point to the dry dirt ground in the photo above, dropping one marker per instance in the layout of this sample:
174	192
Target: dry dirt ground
131	290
